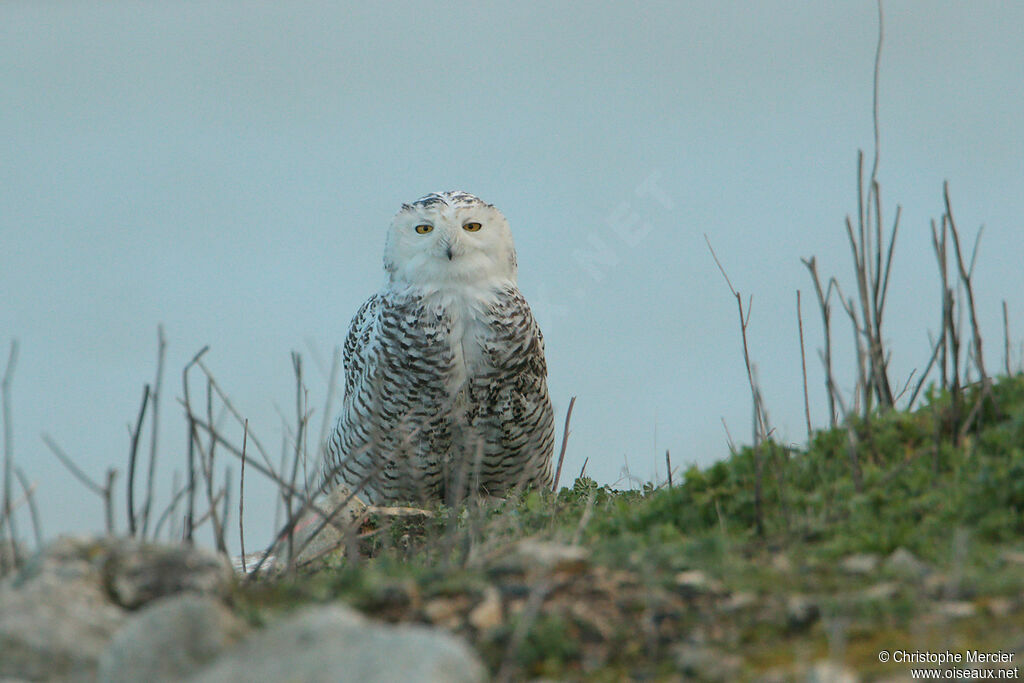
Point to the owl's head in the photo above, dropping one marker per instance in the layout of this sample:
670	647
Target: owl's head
449	238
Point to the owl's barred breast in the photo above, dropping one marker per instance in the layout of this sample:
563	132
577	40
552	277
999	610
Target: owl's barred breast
453	397
445	378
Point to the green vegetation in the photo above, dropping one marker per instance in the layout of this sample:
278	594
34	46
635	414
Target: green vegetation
602	584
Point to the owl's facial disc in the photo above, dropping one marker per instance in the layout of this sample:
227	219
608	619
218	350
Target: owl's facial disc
447	239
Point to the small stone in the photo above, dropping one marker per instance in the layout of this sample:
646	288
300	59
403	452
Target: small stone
782	563
860	563
882	591
936	584
553	557
707	663
905	564
1000	607
695	581
1013	556
739	600
488	613
594	623
826	671
801	612
957	609
445	612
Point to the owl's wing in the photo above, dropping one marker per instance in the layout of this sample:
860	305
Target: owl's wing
515	398
361	357
395	412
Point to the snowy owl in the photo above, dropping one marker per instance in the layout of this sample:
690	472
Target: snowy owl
445	379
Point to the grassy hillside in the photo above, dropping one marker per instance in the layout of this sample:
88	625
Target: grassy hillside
667	582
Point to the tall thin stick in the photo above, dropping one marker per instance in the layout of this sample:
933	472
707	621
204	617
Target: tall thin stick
565	441
826	318
108	500
241	497
132	454
1006	340
965	277
29	490
7	513
760	433
72	467
192	437
154	425
803	366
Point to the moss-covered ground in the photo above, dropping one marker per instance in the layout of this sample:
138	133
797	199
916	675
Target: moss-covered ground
692	582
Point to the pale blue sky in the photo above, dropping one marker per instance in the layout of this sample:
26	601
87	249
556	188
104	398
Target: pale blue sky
228	169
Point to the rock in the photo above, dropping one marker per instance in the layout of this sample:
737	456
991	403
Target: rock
695	581
707	663
1012	556
801	612
323	529
446	612
54	623
170	639
58	613
739	600
781	563
530	554
1000	607
881	591
139	572
904	564
488	614
957	609
335	643
827	671
314	535
859	563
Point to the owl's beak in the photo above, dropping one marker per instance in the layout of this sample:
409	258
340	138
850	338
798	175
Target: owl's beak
449	252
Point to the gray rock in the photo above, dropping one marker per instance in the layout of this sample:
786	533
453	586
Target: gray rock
905	564
859	563
694	581
881	592
335	643
54	623
706	663
138	572
825	671
801	612
170	639
533	555
59	612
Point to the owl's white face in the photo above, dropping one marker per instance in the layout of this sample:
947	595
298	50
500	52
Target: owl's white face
449	238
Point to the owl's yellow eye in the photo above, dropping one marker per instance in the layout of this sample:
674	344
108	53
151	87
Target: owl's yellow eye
471	227
424	229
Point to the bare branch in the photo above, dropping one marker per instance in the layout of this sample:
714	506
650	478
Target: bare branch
241	498
565	441
803	365
1006	340
192	437
132	453
7	511
72	467
154	427
826	315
